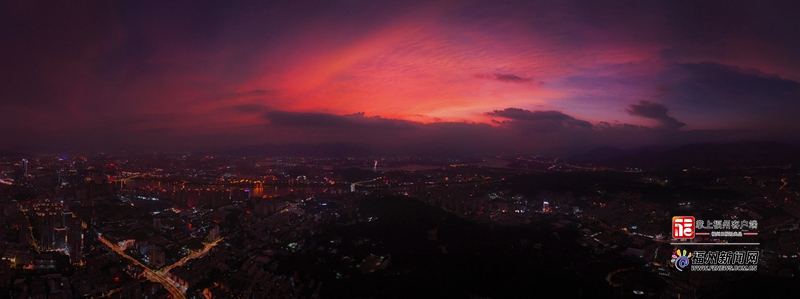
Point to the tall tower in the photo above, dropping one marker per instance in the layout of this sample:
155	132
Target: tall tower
74	237
59	237
156	258
213	234
25	167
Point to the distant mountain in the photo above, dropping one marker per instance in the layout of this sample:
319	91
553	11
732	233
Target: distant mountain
601	154
356	150
353	174
743	154
309	150
12	154
598	154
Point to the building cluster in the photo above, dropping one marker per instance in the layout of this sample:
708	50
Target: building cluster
56	228
222	226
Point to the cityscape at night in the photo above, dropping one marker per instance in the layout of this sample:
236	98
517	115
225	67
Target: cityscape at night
399	149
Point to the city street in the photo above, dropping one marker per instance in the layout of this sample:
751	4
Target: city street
154	276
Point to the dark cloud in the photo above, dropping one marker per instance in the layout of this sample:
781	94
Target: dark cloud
725	96
508	78
720	85
538	121
333	122
253	93
654	111
48	47
250	108
661	90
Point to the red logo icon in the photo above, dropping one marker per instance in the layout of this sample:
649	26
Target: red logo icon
682	227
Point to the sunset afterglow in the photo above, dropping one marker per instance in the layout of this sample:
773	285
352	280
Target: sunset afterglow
388	74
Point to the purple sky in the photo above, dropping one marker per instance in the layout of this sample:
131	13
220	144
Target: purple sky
483	75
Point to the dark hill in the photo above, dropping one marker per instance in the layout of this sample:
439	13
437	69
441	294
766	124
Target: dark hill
308	150
712	155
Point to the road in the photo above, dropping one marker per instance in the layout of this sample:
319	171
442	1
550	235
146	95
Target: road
192	255
612	273
154	276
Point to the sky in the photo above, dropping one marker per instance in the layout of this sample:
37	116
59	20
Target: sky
400	77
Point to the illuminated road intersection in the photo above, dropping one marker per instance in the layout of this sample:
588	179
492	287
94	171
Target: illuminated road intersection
191	256
161	276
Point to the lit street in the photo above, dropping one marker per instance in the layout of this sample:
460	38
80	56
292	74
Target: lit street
150	274
193	255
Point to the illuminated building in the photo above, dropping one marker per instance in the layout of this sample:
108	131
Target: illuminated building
48	217
545	207
74	237
59	237
125	244
213	234
156	258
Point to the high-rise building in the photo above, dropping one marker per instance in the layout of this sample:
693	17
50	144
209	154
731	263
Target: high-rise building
25	167
213	234
59	237
545	207
48	217
64	216
45	237
156	258
74	237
